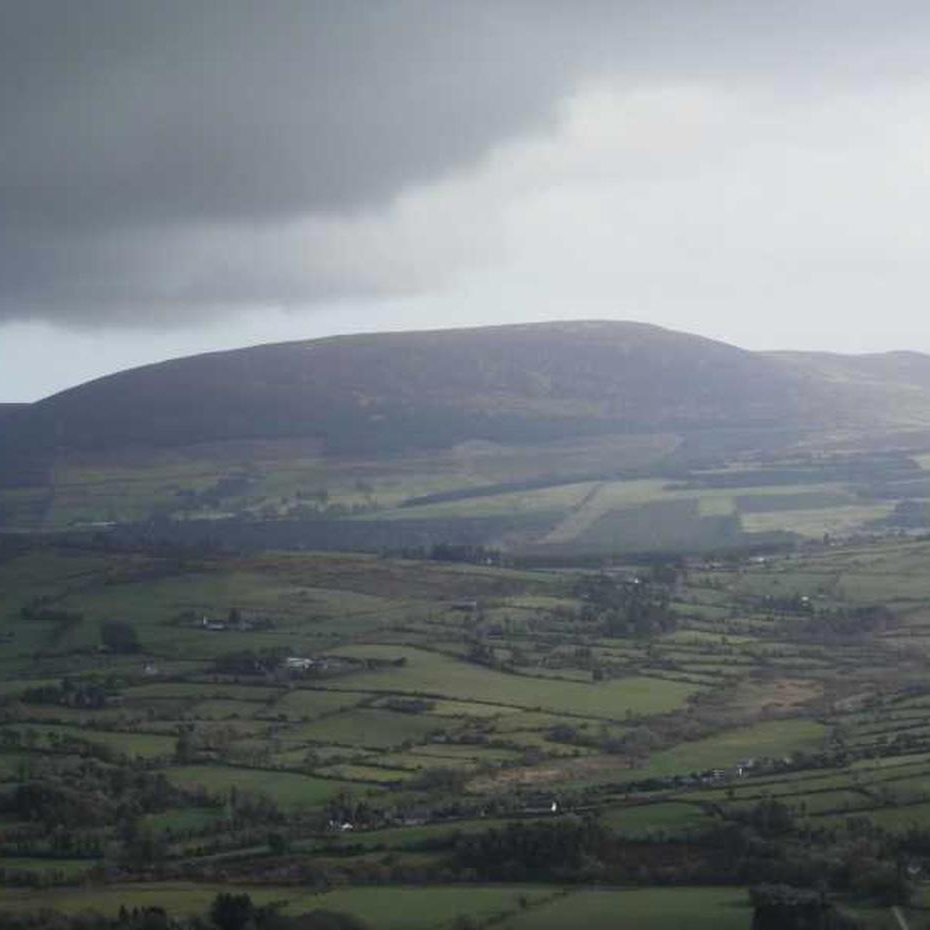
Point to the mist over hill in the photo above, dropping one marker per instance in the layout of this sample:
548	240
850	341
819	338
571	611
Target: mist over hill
387	392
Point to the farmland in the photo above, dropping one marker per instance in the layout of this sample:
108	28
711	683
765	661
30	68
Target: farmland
628	493
310	724
401	908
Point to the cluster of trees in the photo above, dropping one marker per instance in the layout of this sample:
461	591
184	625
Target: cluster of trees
228	486
637	607
842	623
39	611
84	693
476	555
61	621
910	514
120	637
765	844
249	662
783	907
555	850
237	912
90	794
331	511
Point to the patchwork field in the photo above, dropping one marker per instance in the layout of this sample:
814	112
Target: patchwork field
610	494
297	721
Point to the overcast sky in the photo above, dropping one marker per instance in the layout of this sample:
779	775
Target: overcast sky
183	175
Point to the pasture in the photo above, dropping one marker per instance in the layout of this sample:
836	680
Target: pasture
434	674
290	790
441	701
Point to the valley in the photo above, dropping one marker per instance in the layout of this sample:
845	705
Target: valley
298	722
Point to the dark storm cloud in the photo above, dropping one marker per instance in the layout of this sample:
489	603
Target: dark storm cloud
142	140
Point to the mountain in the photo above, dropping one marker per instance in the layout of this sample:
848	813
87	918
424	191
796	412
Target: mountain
387	391
384	393
519	437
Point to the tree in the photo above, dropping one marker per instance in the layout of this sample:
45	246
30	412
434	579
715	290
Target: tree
143	848
277	844
232	911
119	636
184	748
781	907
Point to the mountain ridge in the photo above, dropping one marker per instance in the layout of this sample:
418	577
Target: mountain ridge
381	393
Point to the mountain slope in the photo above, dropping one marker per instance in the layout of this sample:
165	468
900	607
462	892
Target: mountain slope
7	410
391	391
381	394
888	387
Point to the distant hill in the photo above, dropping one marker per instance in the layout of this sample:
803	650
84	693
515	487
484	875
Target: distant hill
547	439
384	393
883	388
389	391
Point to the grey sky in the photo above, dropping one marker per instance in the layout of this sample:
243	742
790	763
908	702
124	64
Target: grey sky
194	174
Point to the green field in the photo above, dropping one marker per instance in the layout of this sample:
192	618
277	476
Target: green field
435	674
289	790
648	819
141	745
445	701
572	492
710	908
438	907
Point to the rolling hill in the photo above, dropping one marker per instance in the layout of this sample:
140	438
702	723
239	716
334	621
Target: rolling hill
888	388
474	435
389	392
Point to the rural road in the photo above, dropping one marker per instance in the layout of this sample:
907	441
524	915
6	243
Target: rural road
902	923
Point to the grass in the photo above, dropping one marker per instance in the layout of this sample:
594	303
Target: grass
68	868
202	691
185	898
433	908
426	908
555	499
288	789
184	818
371	727
659	525
772	739
893	819
826	801
373	774
288	473
342	728
635	515
140	745
306	703
641	909
435	674
383	908
214	594
799	500
811	522
646	819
